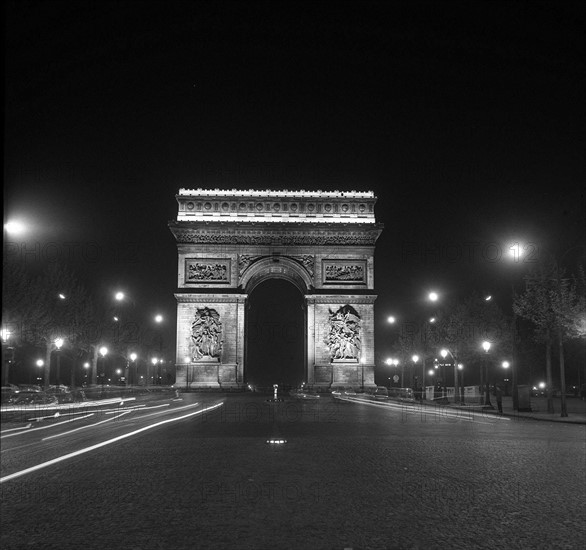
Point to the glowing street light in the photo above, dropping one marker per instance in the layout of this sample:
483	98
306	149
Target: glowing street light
433	296
391	319
119	296
486	346
14	227
58	344
103	351
506	364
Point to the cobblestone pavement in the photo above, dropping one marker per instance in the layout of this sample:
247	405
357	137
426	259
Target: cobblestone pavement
350	475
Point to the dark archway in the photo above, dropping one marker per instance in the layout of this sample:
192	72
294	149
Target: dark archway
275	335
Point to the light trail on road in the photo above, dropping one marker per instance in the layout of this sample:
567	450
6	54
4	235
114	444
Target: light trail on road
29	430
105	443
443	413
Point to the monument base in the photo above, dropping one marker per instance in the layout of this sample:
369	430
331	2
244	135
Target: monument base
207	375
343	374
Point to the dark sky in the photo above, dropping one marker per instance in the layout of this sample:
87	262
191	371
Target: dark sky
466	118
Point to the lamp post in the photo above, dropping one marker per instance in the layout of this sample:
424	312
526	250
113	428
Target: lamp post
461	369
415	358
444	352
154	361
486	346
132	357
58	343
103	352
39	363
86	366
6	334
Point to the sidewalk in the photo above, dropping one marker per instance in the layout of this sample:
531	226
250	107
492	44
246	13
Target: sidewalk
576	409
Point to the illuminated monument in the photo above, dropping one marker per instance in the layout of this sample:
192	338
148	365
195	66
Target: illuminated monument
229	242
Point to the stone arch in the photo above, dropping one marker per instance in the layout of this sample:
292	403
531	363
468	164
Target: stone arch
231	241
275	267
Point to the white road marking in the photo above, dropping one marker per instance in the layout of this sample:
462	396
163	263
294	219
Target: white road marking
102	444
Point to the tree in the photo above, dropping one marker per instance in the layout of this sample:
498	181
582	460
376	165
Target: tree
555	304
535	304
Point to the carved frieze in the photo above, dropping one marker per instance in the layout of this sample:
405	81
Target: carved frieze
309	238
344	272
206	270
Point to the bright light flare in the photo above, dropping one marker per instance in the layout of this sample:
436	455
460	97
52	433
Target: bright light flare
119	296
103	351
15	227
433	296
158	318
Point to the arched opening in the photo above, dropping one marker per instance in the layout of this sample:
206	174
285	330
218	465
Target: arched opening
275	336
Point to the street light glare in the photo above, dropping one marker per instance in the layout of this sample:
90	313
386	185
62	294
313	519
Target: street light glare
103	351
443	353
506	364
158	318
391	319
14	227
486	345
415	358
40	362
119	296
433	296
62	296
133	356
59	343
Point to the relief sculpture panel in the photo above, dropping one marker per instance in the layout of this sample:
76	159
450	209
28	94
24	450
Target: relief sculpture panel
343	339
206	335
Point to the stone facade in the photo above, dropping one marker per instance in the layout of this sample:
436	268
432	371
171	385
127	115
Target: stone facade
228	242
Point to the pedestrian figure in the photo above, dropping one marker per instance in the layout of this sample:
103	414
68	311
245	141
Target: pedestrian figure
499	397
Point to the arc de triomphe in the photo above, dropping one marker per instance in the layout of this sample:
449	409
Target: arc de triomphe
229	242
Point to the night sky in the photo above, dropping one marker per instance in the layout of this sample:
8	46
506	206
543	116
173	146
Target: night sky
467	119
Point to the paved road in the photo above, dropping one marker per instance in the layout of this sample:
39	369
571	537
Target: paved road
350	475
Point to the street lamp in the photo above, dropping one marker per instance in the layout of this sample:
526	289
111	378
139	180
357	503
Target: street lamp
415	359
444	353
6	334
154	361
103	352
461	369
132	357
58	344
391	319
433	296
486	346
86	366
